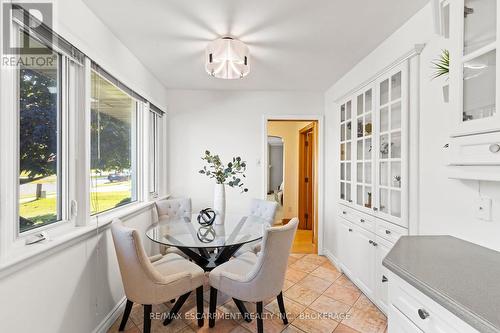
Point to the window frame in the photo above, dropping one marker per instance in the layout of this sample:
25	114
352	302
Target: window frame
74	140
153	184
63	158
136	151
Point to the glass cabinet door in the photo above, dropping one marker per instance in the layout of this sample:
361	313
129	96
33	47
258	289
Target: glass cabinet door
346	136
390	144
476	67
364	149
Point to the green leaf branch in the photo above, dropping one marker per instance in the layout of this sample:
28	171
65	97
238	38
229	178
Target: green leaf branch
230	174
441	66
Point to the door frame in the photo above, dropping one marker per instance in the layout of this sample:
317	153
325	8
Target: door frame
313	126
320	185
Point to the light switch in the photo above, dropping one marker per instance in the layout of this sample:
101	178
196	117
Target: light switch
483	208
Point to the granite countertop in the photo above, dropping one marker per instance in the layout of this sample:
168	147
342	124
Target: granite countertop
462	277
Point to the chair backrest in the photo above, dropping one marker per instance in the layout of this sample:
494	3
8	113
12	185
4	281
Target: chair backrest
138	274
264	209
268	275
173	208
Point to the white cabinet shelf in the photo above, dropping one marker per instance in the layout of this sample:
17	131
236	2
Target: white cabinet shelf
475	86
374	147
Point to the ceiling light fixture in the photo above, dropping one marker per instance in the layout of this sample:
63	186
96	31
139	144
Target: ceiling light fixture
227	58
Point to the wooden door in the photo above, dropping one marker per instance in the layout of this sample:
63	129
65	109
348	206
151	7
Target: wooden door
307	177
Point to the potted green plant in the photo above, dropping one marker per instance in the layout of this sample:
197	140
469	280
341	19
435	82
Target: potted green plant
441	68
230	174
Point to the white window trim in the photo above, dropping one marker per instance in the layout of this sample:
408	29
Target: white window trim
78	225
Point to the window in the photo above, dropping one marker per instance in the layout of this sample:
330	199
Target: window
153	154
113	146
39	121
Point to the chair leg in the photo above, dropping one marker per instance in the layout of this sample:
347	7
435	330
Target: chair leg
281	305
199	306
148	308
126	314
213	304
260	323
177	306
243	310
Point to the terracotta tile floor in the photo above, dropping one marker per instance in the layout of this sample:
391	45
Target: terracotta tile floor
312	287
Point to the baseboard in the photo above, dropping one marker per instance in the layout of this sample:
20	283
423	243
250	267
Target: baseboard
332	259
111	317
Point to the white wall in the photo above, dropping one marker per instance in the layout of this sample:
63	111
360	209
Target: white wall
228	123
446	206
73	290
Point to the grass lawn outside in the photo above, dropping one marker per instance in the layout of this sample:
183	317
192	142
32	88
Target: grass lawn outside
45	209
101	201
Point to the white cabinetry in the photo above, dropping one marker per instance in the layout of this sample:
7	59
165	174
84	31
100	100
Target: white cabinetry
363	241
412	311
474	90
374	147
364	259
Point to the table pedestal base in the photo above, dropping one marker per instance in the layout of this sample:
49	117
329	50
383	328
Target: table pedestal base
209	260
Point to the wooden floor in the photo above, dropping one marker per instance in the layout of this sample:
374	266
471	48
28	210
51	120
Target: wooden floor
303	242
318	299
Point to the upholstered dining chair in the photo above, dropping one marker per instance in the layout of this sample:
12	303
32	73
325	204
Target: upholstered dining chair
255	278
265	210
172	208
154	281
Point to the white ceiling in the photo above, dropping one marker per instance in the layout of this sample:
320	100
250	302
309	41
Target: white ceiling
294	44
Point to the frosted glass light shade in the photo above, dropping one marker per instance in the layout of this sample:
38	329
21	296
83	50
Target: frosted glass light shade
227	58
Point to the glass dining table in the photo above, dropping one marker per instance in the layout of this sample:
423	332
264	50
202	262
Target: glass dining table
207	246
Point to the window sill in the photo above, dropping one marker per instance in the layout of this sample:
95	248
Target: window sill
17	258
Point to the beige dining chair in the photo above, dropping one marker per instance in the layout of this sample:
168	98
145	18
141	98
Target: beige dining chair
266	211
255	278
154	281
172	208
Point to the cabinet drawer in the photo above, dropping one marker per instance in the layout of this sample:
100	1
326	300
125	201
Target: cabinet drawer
365	221
399	323
425	313
390	231
346	212
482	149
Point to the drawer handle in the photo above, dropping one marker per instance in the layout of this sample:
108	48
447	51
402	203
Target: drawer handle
384	279
370	241
350	201
423	314
387	232
374	244
362	220
375	209
494	148
344	212
350	230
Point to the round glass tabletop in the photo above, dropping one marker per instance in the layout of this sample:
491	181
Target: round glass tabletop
188	233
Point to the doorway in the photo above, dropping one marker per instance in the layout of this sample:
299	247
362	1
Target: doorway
292	154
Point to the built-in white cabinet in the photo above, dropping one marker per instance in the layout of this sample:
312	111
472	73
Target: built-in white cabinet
373	202
363	242
374	148
474	71
411	311
474	90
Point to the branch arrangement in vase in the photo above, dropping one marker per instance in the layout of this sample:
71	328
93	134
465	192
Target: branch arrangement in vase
225	174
